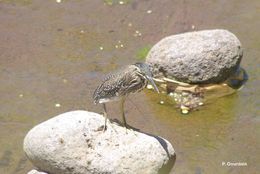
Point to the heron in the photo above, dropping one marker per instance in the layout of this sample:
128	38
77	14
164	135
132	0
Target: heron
118	85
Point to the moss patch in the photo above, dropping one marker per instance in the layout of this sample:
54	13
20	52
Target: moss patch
142	52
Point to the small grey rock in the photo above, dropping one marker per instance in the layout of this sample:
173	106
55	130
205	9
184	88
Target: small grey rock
208	56
72	143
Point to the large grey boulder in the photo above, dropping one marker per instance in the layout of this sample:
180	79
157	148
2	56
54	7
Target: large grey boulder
72	143
209	56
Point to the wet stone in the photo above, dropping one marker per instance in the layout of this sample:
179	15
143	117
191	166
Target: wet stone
209	56
63	145
186	101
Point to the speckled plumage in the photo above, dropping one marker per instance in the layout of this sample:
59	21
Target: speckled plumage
131	79
120	83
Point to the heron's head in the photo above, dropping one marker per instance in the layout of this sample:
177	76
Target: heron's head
145	71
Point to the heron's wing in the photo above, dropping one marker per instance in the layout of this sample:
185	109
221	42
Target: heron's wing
119	83
131	82
109	87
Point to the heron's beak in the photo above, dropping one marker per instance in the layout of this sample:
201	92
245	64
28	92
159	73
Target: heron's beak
150	79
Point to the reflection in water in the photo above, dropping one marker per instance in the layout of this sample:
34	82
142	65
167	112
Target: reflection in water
238	80
198	136
5	159
21	165
190	96
166	168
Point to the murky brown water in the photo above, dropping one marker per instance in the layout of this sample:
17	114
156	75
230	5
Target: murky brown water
54	54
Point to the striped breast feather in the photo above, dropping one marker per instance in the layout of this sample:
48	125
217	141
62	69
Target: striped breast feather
108	88
132	83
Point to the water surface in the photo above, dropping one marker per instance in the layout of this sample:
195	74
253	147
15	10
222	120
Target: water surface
53	55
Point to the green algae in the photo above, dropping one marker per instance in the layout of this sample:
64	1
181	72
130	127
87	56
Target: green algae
143	52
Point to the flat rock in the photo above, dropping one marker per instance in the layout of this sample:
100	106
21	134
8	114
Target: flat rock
72	143
208	56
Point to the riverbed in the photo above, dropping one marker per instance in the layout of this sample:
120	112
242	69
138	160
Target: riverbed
53	54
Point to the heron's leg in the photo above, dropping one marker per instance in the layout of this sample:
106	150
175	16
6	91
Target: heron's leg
105	115
122	104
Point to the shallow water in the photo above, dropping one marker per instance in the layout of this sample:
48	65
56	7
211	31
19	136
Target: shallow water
53	55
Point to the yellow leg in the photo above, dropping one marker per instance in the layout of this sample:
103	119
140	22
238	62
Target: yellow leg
123	112
105	115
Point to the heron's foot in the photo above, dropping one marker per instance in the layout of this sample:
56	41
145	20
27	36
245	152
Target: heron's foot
129	128
103	113
102	128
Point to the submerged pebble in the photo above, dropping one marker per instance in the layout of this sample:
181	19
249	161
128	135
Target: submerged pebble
186	101
149	11
137	33
149	86
161	102
121	2
171	94
57	105
185	111
163	92
119	45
